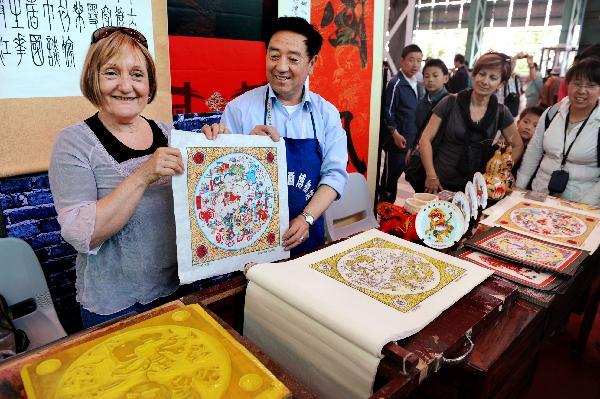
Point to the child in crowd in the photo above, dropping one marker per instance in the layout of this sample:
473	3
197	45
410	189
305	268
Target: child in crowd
526	126
435	77
528	121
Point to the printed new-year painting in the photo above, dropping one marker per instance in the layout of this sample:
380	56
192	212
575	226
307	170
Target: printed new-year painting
513	271
392	274
230	203
550	224
528	251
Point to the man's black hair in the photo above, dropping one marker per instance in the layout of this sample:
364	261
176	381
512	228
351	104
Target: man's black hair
460	58
436	62
313	41
411	48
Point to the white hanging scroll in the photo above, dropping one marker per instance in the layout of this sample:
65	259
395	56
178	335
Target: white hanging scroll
230	203
43	42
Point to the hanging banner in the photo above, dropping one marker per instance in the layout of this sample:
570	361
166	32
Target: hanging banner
43	44
344	69
42	48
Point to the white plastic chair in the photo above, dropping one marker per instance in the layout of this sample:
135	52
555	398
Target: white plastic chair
22	279
353	213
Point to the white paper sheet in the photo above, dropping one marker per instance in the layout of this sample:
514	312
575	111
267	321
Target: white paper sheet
230	203
350	311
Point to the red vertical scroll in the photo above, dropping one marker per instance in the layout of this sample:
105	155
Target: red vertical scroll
343	72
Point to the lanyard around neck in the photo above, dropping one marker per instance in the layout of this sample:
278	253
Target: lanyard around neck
566	155
268	118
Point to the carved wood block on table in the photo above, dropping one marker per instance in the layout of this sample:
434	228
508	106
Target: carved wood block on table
11	385
444	337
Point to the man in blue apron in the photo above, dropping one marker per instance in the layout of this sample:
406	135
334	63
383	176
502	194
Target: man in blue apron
314	138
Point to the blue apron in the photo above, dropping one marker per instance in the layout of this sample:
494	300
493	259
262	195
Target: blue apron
304	158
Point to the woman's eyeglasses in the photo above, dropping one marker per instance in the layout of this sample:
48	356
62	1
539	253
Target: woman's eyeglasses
106	31
584	85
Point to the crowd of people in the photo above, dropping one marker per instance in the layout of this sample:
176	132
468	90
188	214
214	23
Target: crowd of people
442	138
110	174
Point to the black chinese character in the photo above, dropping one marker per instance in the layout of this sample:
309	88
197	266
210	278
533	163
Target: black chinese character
15	9
3	12
3	50
67	46
48	13
53	52
37	49
106	16
63	13
351	29
92	9
119	15
32	18
79	22
20	46
131	15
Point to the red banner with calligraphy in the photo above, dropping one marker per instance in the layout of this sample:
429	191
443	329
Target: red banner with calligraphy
344	68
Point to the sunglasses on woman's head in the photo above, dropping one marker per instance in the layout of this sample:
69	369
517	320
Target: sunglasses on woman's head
106	31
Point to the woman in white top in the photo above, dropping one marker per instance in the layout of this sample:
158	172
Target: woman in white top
572	135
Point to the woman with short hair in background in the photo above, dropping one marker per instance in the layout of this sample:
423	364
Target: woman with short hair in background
470	119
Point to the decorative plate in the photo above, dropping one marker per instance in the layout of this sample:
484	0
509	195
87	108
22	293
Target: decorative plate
480	189
472	196
440	224
462	202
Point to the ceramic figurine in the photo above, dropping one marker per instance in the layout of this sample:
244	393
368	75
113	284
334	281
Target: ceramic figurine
493	176
506	169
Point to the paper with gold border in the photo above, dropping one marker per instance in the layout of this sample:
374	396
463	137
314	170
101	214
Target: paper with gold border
538	254
344	305
230	203
512	271
546	222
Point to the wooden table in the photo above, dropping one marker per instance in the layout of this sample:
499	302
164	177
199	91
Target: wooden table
507	332
11	385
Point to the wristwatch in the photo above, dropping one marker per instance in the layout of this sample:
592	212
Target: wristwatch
309	218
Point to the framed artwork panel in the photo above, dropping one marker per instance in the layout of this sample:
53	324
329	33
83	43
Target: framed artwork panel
528	251
512	271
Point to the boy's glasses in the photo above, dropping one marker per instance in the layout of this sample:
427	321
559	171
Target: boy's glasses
106	31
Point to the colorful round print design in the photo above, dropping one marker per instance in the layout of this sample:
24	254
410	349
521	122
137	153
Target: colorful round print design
235	201
548	222
440	224
388	271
